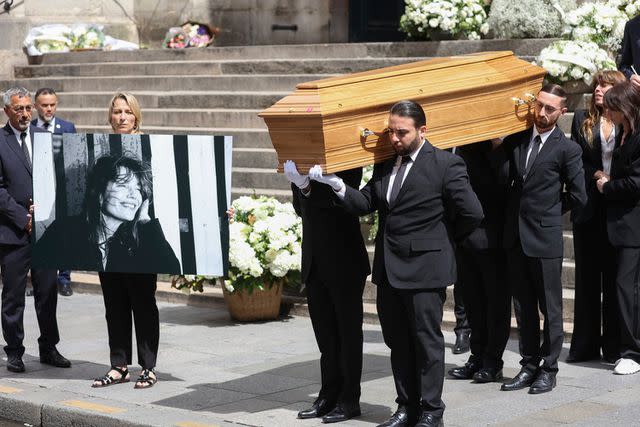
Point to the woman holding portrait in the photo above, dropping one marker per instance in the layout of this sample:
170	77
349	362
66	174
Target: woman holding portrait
594	256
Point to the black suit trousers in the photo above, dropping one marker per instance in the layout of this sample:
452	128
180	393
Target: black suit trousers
487	301
123	294
536	284
336	315
595	276
628	290
15	262
410	321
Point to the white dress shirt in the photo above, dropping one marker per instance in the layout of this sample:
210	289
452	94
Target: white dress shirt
394	172
52	124
543	139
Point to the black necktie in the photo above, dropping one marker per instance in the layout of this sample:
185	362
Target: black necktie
397	182
535	147
46	125
25	150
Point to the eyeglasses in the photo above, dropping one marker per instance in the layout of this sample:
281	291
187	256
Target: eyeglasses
547	108
399	132
22	108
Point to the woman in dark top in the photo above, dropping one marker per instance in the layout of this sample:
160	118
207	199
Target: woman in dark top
594	256
621	190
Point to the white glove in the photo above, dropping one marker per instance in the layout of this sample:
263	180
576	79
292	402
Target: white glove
335	182
292	174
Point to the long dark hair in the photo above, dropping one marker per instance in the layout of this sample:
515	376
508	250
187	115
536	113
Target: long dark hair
594	113
624	98
106	169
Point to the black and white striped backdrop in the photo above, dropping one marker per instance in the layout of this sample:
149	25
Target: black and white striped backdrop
191	187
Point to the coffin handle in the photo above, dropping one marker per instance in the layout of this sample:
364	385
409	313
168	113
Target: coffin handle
366	132
528	99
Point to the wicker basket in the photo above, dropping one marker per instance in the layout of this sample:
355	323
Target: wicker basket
259	305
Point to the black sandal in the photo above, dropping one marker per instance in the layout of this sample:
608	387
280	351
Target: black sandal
146	380
107	380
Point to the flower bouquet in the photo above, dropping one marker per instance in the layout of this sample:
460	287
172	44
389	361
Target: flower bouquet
601	23
568	60
424	19
630	7
190	34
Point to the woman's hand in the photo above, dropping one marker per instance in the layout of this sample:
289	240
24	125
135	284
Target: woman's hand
143	212
601	182
231	213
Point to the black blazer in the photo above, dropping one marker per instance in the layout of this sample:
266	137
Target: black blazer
435	206
591	162
622	194
16	188
487	170
332	244
535	205
630	53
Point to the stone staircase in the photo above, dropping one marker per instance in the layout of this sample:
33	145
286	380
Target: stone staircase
221	90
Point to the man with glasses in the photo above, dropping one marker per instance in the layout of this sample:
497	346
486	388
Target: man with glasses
546	179
16	211
46	105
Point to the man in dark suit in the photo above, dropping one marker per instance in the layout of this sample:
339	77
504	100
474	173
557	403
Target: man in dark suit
15	245
630	52
542	163
335	266
481	266
424	202
46	105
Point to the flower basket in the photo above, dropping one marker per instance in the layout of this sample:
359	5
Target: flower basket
251	305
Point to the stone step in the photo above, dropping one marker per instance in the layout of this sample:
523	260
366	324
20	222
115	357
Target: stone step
259	178
521	47
236	118
242	138
256	82
213	67
185	99
255	158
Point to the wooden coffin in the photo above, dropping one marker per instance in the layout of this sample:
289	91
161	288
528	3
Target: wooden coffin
466	98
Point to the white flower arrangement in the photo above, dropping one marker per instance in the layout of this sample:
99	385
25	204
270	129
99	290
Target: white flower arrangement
462	18
264	244
601	23
630	7
511	19
568	60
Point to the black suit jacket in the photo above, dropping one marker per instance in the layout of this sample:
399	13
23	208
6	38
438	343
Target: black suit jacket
332	244
16	188
535	204
435	206
630	54
488	170
622	194
591	162
62	126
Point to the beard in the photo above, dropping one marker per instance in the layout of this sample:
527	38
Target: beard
405	151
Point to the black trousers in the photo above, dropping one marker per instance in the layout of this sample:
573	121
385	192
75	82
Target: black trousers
595	276
336	316
487	301
123	294
15	262
535	284
410	321
462	322
628	290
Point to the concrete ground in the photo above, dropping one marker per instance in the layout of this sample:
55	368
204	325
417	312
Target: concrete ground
215	372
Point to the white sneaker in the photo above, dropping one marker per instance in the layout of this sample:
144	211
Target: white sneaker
626	367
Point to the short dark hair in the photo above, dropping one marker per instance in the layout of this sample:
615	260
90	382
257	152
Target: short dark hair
410	109
625	98
105	170
556	90
44	91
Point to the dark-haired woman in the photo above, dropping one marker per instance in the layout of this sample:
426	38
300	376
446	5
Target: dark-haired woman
594	256
621	190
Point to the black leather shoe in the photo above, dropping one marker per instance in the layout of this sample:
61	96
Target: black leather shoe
488	375
15	364
53	358
320	408
429	420
465	372
342	412
65	290
462	343
545	382
401	418
523	380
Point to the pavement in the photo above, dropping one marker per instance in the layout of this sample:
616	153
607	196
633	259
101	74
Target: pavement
216	372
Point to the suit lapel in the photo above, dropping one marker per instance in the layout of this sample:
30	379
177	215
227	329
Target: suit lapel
412	173
386	177
13	143
520	152
548	146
